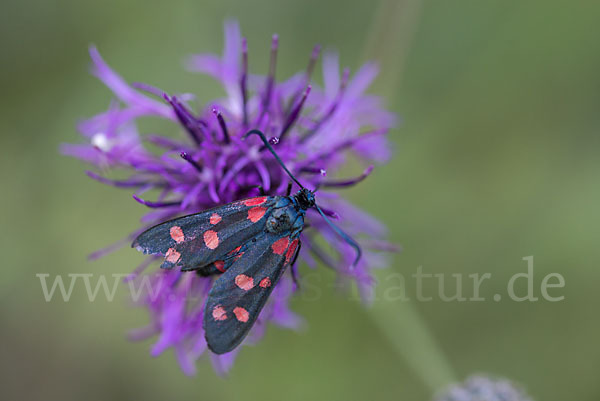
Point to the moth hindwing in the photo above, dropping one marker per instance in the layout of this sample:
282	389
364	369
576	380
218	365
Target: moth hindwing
237	297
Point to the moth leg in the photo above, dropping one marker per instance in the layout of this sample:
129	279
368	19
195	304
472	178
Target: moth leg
289	189
297	253
294	272
294	269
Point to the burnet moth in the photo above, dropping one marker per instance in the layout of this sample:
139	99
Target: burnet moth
249	243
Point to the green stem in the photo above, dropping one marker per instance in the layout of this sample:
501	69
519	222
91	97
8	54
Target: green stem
411	338
389	42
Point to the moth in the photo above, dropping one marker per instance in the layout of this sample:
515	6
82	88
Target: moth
248	243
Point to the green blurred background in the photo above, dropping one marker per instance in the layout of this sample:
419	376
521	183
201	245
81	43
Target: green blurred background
497	159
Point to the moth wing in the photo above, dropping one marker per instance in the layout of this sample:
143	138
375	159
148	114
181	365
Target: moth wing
197	240
237	297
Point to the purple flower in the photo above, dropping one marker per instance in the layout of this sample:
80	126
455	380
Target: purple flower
482	388
314	130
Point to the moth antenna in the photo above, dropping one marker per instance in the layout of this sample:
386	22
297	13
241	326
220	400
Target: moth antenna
342	234
268	146
335	228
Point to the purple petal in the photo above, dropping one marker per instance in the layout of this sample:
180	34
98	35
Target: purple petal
331	74
121	89
186	362
205	63
361	80
232	51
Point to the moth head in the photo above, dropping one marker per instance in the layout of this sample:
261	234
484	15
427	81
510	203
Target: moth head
306	198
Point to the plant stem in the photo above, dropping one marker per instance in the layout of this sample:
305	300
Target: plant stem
390	39
411	338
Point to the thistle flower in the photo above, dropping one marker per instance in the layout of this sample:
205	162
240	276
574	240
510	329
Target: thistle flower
482	388
313	129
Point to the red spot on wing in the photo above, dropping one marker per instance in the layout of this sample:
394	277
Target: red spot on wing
280	245
172	255
244	282
241	314
255	201
238	256
215	218
219	313
290	252
256	213
211	239
265	282
177	234
220	265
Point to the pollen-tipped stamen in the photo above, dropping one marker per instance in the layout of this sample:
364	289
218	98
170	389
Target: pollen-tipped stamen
275	155
190	160
185	117
222	124
349	182
314	170
155	205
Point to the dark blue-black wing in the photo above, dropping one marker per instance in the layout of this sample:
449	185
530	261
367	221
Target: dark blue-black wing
238	296
210	240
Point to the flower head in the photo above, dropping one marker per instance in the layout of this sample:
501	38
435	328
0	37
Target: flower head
314	130
482	388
